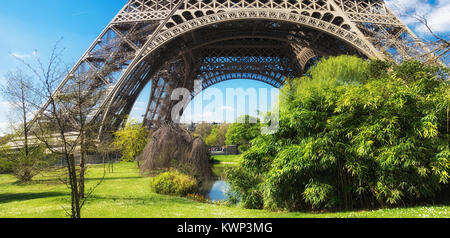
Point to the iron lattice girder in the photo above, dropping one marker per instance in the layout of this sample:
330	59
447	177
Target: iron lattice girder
342	33
243	56
343	13
266	60
286	35
146	34
139	10
252	58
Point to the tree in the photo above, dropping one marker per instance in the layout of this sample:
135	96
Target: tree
26	160
218	135
108	151
203	129
19	91
62	124
438	44
131	140
85	98
353	134
5	164
241	134
26	166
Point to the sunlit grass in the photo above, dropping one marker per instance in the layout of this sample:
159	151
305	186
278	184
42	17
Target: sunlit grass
227	159
125	194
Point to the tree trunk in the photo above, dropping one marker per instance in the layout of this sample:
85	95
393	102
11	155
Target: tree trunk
24	118
82	165
76	209
82	142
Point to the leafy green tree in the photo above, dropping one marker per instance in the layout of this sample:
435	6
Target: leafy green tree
242	132
353	134
131	140
218	134
203	129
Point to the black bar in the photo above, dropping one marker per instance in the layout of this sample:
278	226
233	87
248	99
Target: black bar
167	228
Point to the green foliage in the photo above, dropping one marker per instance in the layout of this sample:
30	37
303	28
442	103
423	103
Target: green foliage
5	165
217	136
175	183
244	188
22	165
319	195
131	140
203	129
123	194
353	137
242	132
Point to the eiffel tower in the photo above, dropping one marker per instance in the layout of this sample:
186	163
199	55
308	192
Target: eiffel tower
172	43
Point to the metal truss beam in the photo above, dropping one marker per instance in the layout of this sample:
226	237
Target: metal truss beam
171	43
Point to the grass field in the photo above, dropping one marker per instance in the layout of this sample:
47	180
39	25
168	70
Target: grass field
125	194
227	159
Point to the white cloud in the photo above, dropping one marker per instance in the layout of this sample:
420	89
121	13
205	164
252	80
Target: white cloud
5	104
138	110
20	55
439	18
437	15
226	108
5	128
205	116
139	106
24	55
140	103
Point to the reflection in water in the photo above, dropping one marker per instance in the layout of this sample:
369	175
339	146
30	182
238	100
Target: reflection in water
216	189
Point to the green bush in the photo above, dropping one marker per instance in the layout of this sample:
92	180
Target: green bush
243	188
253	200
175	183
353	137
25	166
6	166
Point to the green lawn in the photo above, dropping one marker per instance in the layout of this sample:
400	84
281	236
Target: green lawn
125	194
227	159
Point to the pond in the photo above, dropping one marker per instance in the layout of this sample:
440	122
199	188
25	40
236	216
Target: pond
216	189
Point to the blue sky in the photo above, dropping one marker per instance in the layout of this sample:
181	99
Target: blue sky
30	26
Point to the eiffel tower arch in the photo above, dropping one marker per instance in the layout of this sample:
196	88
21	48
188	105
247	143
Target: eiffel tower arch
171	43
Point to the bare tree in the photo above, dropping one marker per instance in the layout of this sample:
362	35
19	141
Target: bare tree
85	98
27	158
62	124
19	93
439	45
108	151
